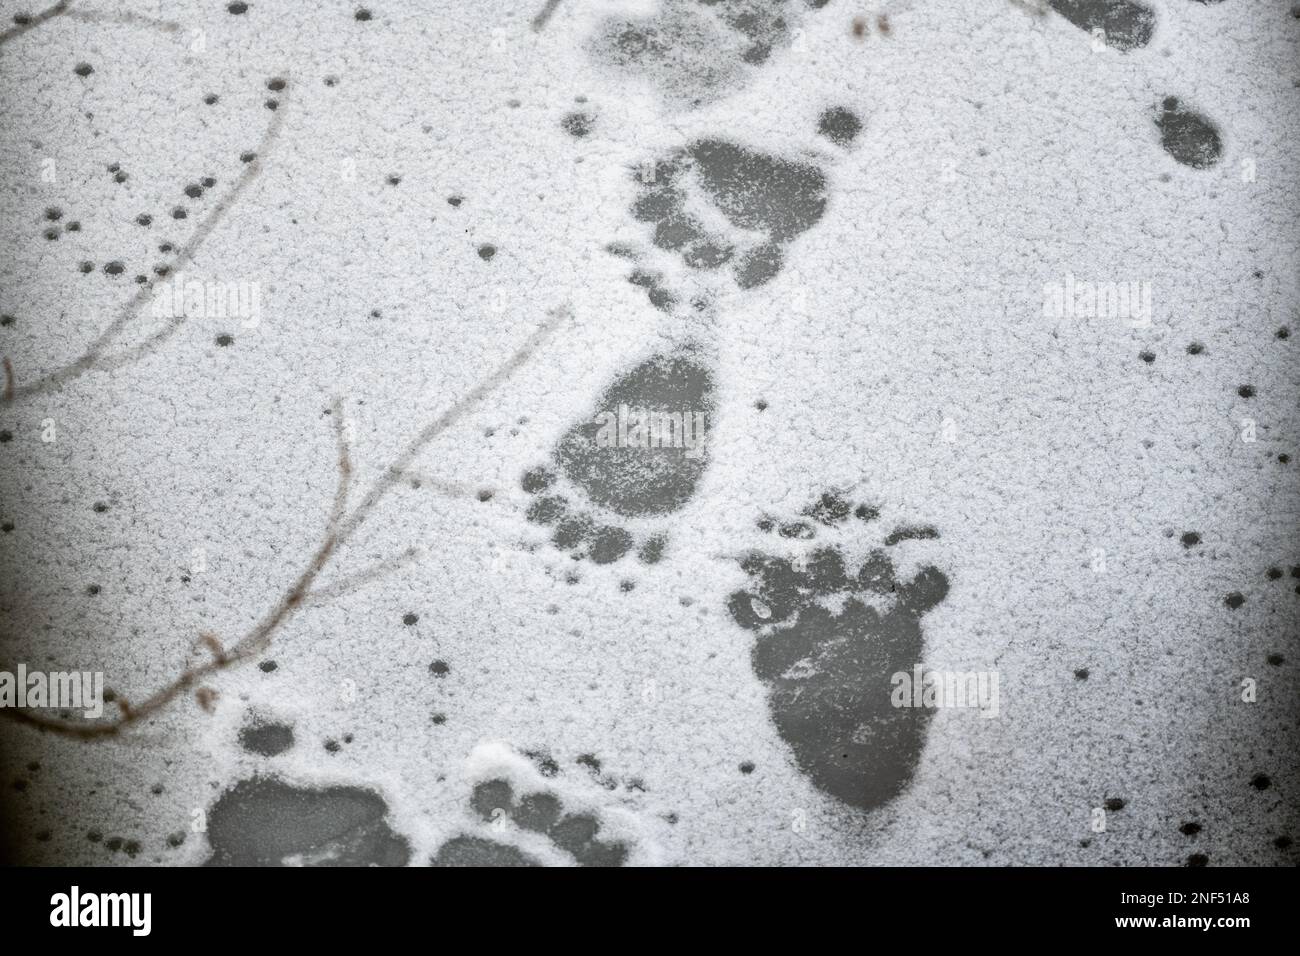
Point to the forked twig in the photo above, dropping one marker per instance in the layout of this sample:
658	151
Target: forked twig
340	527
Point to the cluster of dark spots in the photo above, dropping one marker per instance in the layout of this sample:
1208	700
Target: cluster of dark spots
578	124
119	174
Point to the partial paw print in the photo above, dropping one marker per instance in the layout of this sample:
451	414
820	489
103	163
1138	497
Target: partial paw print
694	52
714	204
1188	136
831	631
265	821
524	818
637	457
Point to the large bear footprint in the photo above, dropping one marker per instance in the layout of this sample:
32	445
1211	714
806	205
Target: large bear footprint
830	637
576	833
639	455
715	204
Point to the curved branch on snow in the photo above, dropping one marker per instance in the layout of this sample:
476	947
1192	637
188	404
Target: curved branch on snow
340	526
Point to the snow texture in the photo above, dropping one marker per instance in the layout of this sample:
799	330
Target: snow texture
964	329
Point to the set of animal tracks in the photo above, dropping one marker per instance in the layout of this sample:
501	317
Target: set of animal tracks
828	633
821	605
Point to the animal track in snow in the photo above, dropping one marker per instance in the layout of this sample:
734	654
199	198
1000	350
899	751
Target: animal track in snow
619	477
694	52
829	639
524	815
714	203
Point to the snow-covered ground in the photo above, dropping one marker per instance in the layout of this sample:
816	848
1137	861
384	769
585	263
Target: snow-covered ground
965	327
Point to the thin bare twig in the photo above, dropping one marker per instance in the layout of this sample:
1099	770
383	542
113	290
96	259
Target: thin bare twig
354	582
125	19
449	489
544	15
34	21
